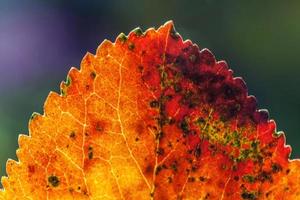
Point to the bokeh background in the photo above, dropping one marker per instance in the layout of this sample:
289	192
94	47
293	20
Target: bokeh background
41	40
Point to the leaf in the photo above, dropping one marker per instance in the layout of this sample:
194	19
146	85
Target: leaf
152	117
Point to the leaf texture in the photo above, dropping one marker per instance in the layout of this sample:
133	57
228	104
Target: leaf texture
151	116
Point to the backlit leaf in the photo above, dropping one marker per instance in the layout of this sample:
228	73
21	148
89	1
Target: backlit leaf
151	116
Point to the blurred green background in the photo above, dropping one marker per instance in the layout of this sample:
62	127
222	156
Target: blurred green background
41	40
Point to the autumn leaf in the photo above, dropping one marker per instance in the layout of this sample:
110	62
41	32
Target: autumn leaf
151	116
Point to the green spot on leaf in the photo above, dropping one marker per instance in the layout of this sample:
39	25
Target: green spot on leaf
68	81
138	31
122	37
249	178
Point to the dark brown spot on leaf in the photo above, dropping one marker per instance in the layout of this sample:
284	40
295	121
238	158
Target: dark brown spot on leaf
53	180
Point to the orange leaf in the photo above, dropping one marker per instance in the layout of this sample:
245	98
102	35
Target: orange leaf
152	117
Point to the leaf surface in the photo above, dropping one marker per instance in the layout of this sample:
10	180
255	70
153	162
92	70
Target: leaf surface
151	116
